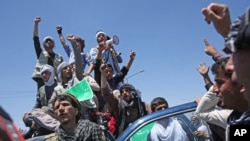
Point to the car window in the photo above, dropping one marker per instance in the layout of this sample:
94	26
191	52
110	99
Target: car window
172	127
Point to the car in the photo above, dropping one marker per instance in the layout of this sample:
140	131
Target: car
8	130
140	129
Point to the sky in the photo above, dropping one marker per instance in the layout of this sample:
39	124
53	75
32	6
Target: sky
167	36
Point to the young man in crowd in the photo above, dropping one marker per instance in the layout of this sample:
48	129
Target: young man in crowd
128	107
237	39
167	129
68	111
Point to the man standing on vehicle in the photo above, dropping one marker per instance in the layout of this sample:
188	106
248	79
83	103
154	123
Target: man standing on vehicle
127	107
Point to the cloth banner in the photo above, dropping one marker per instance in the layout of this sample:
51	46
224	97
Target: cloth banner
82	90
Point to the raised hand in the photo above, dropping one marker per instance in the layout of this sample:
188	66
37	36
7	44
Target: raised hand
132	55
209	49
36	22
219	15
103	68
203	69
37	19
59	29
70	37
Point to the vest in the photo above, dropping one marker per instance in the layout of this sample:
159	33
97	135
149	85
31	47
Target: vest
43	59
44	100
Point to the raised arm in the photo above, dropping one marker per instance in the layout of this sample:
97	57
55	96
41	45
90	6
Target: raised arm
98	62
219	15
37	44
62	40
107	94
212	51
203	70
78	59
124	71
36	20
131	59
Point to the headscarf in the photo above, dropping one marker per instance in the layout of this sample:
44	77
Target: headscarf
50	69
47	38
59	70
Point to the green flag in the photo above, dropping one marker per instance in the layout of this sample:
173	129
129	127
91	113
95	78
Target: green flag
143	133
82	91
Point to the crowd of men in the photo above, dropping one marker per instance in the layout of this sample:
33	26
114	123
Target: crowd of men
60	115
113	106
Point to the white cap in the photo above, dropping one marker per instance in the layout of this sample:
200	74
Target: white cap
100	32
48	37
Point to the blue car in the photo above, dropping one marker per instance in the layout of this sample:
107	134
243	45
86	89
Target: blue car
140	129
